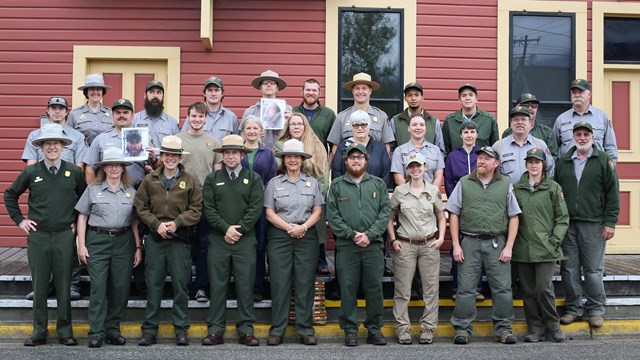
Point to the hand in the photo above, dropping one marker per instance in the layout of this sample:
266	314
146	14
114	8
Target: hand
73	228
83	254
436	244
608	233
287	115
162	231
232	235
296	231
28	225
137	257
396	245
458	254
171	226
263	132
505	255
361	239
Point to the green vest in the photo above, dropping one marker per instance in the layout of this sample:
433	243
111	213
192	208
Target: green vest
484	212
401	122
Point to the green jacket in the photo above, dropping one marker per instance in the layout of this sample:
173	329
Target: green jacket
401	122
355	208
321	122
597	197
182	204
487	129
542	132
543	223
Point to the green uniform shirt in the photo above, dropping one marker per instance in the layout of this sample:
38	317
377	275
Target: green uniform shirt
487	129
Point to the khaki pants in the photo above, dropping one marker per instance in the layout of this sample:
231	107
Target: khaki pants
404	261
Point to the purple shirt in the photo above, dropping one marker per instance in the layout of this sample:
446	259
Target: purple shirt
457	165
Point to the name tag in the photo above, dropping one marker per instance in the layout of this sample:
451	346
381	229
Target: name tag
220	184
279	189
345	198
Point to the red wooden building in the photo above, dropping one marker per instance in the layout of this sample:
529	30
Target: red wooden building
503	47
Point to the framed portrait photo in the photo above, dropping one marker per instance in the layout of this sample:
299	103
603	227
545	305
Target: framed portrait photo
272	113
134	143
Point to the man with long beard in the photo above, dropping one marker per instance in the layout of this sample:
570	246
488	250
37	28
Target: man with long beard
160	124
590	186
484	211
358	210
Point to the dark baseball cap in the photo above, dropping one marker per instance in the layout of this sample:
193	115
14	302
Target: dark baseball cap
154	83
122	103
519	110
468	86
582	125
487	150
581	84
215	81
413	85
357	147
528	97
536	153
58	100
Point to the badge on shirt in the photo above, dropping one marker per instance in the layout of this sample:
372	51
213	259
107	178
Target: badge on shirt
374	194
183	185
127	194
99	195
220	184
208	145
106	114
38	179
375	119
308	183
245	181
82	116
428	196
67	173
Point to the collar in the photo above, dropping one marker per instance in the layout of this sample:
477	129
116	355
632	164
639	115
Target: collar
236	171
105	186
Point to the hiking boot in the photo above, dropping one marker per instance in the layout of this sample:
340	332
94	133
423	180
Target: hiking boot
405	338
567	319
534	337
461	338
508	338
557	336
426	336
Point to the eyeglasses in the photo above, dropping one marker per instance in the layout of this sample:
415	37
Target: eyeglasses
296	124
356	157
530	105
268	82
359	126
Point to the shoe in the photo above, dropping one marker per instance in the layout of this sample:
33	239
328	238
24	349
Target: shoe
249	340
508	338
30	296
95	342
557	336
351	339
596	321
461	338
322	270
274	340
257	296
35	341
479	296
212	339
568	319
426	336
534	337
116	340
376	339
182	339
74	294
309	340
201	296
454	295
68	341
147	339
405	338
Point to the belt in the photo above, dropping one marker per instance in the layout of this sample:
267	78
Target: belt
483	237
417	241
111	232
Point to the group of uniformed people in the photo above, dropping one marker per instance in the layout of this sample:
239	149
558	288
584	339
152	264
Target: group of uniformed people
232	197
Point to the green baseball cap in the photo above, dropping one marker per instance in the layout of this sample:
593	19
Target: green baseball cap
527	97
487	150
581	84
519	110
154	83
357	147
582	125
122	103
468	124
535	153
468	86
58	100
215	81
413	85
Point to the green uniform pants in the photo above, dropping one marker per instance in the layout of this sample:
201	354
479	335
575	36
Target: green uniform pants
476	254
110	265
222	259
536	281
51	253
292	257
160	255
358	265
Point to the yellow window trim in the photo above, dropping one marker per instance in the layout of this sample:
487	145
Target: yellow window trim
83	54
331	41
598	12
504	8
206	23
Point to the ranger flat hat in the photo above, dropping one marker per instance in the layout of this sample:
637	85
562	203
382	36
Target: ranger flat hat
293	147
232	142
51	131
94	81
361	78
269	75
113	155
172	144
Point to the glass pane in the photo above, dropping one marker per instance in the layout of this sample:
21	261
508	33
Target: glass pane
621	40
542	58
371	42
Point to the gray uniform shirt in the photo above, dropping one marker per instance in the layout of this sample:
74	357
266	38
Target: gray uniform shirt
107	208
379	127
218	125
454	203
603	136
90	123
109	139
159	127
271	136
512	163
579	164
432	154
293	201
73	153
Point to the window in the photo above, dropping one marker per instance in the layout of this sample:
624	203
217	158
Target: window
621	40
542	60
371	41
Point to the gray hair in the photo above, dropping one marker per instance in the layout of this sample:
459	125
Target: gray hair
249	118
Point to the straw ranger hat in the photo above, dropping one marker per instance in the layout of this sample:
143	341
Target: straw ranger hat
172	145
232	142
361	78
269	75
